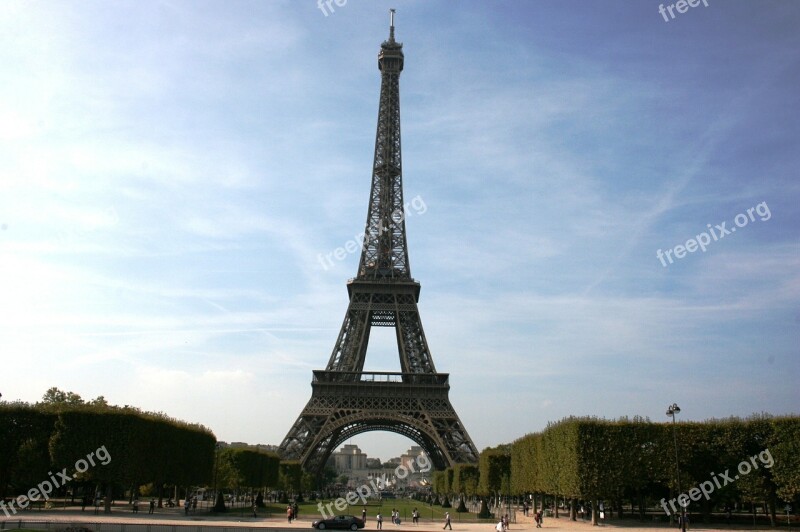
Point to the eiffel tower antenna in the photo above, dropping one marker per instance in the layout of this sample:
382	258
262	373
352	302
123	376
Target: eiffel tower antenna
346	400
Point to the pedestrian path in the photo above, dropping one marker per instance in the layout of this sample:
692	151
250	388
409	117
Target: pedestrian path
168	520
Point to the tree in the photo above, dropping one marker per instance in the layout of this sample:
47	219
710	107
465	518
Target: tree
290	475
57	397
448	486
24	452
98	401
494	465
439	483
784	447
465	483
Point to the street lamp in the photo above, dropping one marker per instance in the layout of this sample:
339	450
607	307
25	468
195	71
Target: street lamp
672	411
217	448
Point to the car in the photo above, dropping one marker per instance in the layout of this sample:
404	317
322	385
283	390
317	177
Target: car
346	522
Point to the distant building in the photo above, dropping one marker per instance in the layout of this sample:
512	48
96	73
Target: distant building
242	445
348	458
359	469
265	447
411	458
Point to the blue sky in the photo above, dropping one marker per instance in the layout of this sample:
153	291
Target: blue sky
172	172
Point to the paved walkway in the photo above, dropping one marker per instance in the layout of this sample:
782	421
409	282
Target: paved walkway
168	517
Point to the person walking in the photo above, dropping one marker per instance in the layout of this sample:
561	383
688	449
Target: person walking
379	521
415	517
152	506
289	513
186	504
447	521
255	510
364	515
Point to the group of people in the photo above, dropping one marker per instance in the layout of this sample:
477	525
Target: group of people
502	525
189	504
152	505
379	517
291	512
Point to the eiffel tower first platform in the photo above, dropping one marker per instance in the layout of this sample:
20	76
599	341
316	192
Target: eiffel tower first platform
345	400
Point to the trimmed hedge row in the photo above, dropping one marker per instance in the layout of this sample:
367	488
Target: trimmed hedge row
591	460
99	444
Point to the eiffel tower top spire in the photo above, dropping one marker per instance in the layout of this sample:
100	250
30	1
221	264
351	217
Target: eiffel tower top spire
384	255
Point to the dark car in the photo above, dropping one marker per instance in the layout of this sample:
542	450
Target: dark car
350	522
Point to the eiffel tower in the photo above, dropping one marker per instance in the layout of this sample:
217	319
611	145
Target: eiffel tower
345	400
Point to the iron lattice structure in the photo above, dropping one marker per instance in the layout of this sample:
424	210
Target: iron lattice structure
345	400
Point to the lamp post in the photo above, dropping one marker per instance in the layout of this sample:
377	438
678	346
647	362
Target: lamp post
672	411
217	448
